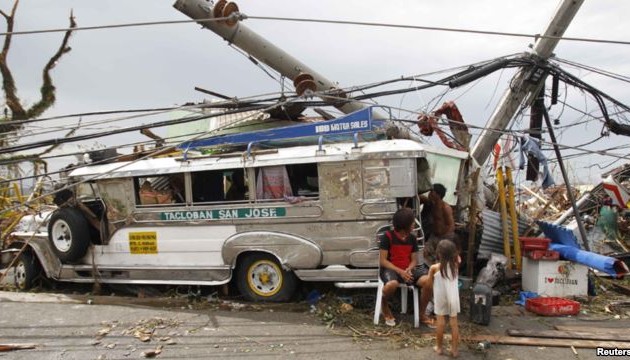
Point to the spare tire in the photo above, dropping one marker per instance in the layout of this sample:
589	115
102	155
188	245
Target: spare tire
69	234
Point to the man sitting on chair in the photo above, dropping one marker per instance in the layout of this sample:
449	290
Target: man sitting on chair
398	250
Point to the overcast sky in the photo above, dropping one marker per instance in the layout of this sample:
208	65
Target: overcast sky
159	66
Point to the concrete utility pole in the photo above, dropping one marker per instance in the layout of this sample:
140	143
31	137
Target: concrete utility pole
258	47
514	96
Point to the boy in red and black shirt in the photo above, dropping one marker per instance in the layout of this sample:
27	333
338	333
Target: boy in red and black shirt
398	258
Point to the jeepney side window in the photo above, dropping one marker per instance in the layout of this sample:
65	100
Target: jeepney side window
237	189
292	183
219	186
160	190
304	180
208	186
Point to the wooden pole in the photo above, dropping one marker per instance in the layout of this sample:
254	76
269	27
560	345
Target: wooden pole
504	225
512	207
472	224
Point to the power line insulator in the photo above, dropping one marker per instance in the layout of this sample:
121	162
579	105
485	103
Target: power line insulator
229	9
304	82
217	11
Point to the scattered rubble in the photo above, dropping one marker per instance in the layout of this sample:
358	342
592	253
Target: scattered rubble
152	353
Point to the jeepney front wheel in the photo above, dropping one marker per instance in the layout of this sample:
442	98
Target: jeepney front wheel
26	271
260	277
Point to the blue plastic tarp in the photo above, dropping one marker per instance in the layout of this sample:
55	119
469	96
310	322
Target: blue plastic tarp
564	241
607	264
558	234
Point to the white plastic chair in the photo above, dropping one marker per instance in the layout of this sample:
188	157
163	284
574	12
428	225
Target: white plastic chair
404	289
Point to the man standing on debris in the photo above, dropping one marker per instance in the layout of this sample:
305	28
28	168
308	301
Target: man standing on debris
442	226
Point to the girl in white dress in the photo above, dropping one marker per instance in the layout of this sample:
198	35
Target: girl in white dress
446	293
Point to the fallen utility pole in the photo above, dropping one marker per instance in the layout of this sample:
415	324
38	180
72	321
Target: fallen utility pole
524	87
576	211
260	49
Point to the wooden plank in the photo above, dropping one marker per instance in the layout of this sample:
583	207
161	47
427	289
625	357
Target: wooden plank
591	329
472	224
504	222
11	347
620	288
582	335
527	341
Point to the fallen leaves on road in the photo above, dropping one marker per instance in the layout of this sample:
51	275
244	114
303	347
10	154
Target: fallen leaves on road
145	329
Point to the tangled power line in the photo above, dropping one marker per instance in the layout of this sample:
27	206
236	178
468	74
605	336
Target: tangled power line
267	101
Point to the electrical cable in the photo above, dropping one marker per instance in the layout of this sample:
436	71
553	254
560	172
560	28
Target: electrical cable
242	16
434	28
111	26
604	152
18	133
439	82
247	101
234	103
593	69
50	142
167	141
92	178
21	147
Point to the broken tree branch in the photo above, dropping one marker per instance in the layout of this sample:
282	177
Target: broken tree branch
48	89
8	83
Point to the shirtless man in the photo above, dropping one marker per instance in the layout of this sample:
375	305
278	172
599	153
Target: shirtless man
443	227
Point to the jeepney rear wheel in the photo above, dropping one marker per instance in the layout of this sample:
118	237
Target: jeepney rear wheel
26	271
69	234
260	277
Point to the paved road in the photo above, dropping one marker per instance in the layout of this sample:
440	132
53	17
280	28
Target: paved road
68	331
67	328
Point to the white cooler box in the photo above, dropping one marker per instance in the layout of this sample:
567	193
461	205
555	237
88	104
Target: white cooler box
555	278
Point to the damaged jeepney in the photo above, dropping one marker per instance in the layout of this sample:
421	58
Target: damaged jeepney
263	219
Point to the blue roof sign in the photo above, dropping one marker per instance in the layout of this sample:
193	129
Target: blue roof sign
358	121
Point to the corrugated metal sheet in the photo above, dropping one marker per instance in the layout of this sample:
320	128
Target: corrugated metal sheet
492	237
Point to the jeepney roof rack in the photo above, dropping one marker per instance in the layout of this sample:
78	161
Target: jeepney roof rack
345	128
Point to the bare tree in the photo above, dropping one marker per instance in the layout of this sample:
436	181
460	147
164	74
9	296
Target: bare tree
18	110
47	90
